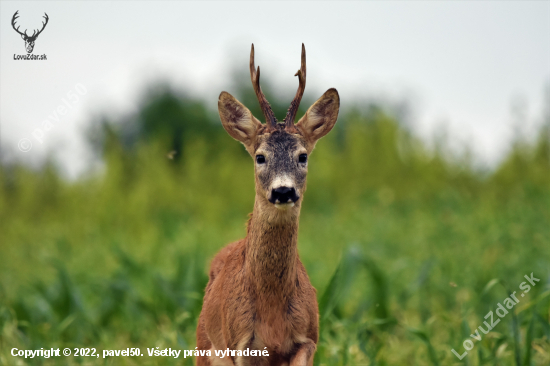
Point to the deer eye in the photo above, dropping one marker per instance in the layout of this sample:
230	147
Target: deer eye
302	158
260	159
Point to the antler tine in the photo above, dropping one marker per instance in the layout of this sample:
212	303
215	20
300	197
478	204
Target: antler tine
43	24
15	16
293	109
264	104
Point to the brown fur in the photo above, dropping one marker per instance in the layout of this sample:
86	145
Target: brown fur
268	300
259	295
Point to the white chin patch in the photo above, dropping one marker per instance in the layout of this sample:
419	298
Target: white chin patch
284	206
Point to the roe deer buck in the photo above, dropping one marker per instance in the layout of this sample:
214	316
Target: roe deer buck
259	296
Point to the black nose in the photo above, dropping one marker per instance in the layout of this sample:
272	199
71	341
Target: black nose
283	195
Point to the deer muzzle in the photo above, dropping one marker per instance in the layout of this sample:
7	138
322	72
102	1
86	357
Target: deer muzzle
283	196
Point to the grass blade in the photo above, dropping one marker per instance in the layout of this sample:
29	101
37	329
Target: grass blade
424	338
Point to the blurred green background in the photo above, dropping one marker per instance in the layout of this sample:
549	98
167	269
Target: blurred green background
409	247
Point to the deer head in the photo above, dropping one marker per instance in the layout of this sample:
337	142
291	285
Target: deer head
29	40
280	150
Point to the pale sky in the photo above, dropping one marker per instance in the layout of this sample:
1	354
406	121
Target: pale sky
461	65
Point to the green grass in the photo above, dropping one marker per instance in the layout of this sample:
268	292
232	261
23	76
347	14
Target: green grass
408	250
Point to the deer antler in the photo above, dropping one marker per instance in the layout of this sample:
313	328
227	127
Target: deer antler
291	114
43	26
264	104
34	34
15	16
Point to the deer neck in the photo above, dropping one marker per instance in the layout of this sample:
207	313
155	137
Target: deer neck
272	248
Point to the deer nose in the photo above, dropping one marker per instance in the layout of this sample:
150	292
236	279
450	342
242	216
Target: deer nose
283	195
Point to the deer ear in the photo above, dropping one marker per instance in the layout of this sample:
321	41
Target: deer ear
320	117
237	120
23	36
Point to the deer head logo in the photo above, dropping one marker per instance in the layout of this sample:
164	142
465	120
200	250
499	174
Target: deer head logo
29	40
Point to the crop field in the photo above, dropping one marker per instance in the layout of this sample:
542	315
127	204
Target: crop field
411	249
